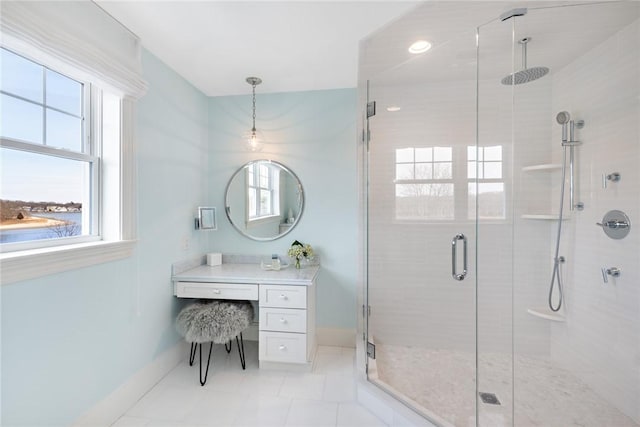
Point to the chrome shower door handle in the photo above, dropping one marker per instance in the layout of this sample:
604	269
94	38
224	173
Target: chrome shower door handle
454	257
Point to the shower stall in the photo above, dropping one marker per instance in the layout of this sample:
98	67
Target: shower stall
500	169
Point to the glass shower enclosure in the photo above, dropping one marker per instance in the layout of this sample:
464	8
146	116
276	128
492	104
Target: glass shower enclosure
491	297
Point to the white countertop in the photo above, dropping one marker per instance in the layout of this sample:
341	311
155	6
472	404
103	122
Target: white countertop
249	273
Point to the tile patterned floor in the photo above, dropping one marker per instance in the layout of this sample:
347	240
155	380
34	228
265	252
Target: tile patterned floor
233	397
548	396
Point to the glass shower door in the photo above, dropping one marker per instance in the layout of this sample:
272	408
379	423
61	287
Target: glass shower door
421	218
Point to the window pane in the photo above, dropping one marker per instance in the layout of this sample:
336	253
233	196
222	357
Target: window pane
491	203
493	170
424	154
441	154
442	171
21	77
20	120
43	197
471	153
471	170
64	131
493	153
264	176
63	93
404	155
253	209
424	170
424	201
251	175
265	202
404	171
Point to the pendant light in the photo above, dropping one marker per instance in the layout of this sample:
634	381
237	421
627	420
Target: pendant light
254	142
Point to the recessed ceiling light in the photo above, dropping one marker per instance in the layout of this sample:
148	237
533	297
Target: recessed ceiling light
393	108
420	46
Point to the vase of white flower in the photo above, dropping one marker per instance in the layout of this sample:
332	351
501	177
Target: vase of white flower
299	251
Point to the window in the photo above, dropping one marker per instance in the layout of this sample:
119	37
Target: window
433	184
263	192
424	183
50	165
490	186
77	93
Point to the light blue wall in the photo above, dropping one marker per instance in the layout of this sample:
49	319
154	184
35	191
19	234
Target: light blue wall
314	134
70	339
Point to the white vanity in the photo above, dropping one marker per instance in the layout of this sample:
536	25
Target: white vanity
286	304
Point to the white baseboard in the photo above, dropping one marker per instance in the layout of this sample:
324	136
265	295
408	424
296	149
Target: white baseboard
109	409
337	337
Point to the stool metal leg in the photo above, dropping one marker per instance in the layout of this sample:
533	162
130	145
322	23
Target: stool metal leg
192	353
241	352
202	381
229	347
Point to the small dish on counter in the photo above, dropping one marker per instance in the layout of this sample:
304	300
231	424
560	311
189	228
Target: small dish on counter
268	267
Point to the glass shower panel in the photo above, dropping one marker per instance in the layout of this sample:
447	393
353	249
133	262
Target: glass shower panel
421	200
577	365
493	164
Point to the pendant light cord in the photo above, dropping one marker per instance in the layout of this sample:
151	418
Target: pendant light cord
253	129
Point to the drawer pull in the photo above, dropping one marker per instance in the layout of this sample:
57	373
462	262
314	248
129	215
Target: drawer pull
216	291
283	297
282	348
283	321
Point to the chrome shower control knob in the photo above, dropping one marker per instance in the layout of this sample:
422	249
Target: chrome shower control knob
615	224
613	272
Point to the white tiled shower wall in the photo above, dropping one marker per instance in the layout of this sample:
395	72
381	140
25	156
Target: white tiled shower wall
600	341
413	297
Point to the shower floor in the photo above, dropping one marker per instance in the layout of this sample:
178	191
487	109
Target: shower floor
441	382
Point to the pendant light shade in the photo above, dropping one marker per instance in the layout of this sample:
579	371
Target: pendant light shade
254	138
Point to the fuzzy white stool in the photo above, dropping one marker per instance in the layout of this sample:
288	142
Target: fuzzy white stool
216	322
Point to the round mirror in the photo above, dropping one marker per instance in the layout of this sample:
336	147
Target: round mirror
264	200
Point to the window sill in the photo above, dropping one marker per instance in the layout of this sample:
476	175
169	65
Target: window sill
263	220
29	264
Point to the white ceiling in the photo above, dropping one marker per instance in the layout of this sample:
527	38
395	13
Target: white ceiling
292	46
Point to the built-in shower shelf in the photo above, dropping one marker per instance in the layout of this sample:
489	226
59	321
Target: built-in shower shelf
546	313
543	217
547	167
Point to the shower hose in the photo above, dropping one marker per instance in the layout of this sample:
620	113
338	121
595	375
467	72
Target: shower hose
556	276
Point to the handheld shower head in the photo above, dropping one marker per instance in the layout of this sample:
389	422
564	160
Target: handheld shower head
563	117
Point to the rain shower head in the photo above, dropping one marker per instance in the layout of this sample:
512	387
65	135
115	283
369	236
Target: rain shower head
525	75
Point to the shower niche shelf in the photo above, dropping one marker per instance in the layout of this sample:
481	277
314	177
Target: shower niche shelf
545	313
546	167
544	217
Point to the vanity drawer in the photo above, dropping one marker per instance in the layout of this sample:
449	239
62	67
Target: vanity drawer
231	291
283	319
283	347
283	296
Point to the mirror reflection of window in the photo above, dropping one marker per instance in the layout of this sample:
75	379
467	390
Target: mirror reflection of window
263	191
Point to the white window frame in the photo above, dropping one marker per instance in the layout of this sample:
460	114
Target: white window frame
90	153
477	180
460	181
116	238
432	180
